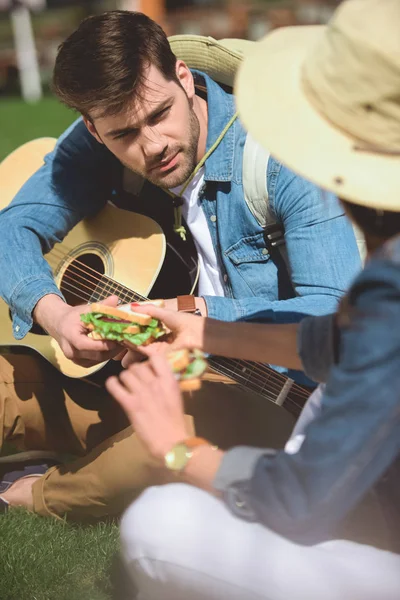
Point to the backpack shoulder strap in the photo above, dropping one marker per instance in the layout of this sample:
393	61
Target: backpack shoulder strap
255	190
255	163
220	59
360	239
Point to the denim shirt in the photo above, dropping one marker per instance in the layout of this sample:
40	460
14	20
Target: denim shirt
354	443
81	175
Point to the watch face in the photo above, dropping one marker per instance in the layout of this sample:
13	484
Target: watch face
177	458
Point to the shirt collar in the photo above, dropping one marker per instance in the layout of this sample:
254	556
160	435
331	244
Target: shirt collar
221	108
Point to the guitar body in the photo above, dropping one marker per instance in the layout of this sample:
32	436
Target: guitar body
116	245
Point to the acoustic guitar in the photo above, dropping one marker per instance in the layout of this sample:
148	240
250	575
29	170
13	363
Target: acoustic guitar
95	260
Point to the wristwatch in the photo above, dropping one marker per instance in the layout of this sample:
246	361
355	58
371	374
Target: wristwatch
188	304
178	457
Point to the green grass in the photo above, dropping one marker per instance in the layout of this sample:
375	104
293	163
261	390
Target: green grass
21	122
45	559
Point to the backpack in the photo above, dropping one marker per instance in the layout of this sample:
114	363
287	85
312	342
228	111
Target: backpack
220	60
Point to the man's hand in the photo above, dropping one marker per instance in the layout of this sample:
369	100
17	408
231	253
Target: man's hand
63	323
187	331
150	396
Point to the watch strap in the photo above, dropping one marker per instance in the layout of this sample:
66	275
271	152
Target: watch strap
195	441
180	454
186	303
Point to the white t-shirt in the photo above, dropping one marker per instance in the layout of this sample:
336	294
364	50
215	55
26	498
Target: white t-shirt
210	279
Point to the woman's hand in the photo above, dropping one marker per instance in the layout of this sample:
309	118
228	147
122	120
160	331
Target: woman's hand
187	331
150	396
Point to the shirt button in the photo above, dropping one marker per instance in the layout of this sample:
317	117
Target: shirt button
213	218
17	328
225	277
264	251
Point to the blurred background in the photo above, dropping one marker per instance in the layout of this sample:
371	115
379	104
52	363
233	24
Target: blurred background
31	30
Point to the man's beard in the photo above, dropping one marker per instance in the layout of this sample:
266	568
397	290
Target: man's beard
188	159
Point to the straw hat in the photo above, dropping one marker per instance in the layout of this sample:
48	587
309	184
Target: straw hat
326	101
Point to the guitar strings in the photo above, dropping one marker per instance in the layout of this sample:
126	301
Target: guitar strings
262	387
247	371
256	372
87	269
128	296
87	296
97	278
259	389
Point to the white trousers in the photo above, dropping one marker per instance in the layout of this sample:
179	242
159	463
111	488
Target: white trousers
181	543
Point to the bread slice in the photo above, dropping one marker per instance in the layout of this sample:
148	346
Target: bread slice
159	302
178	360
123	312
190	385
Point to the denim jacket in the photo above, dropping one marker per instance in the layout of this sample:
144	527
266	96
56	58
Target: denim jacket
81	175
354	443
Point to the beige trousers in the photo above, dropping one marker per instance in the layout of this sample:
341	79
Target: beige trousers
40	409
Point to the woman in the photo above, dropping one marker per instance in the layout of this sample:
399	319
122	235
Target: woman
269	524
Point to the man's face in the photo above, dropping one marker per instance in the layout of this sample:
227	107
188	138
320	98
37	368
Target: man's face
158	136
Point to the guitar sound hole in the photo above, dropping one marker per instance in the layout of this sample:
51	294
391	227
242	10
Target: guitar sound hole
81	278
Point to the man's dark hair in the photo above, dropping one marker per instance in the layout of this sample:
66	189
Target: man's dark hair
101	66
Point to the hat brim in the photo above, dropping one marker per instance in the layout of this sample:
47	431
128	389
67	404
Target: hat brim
274	108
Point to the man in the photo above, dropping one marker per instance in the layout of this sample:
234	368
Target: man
144	111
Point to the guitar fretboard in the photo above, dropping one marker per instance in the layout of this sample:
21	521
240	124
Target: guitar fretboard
107	287
261	379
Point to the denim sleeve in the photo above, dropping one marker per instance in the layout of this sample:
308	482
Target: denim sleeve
72	184
356	438
316	345
322	254
232	478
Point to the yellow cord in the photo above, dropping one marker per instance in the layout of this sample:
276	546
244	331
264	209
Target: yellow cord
178	227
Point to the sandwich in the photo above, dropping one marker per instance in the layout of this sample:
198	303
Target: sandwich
122	324
188	367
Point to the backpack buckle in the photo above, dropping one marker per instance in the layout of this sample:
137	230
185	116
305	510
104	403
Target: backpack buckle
274	235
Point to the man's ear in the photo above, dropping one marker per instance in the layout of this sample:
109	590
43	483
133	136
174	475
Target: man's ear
92	129
185	78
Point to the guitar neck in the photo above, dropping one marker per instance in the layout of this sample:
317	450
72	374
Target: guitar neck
256	377
264	381
108	287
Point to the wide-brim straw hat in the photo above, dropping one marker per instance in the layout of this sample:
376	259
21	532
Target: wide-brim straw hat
325	100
